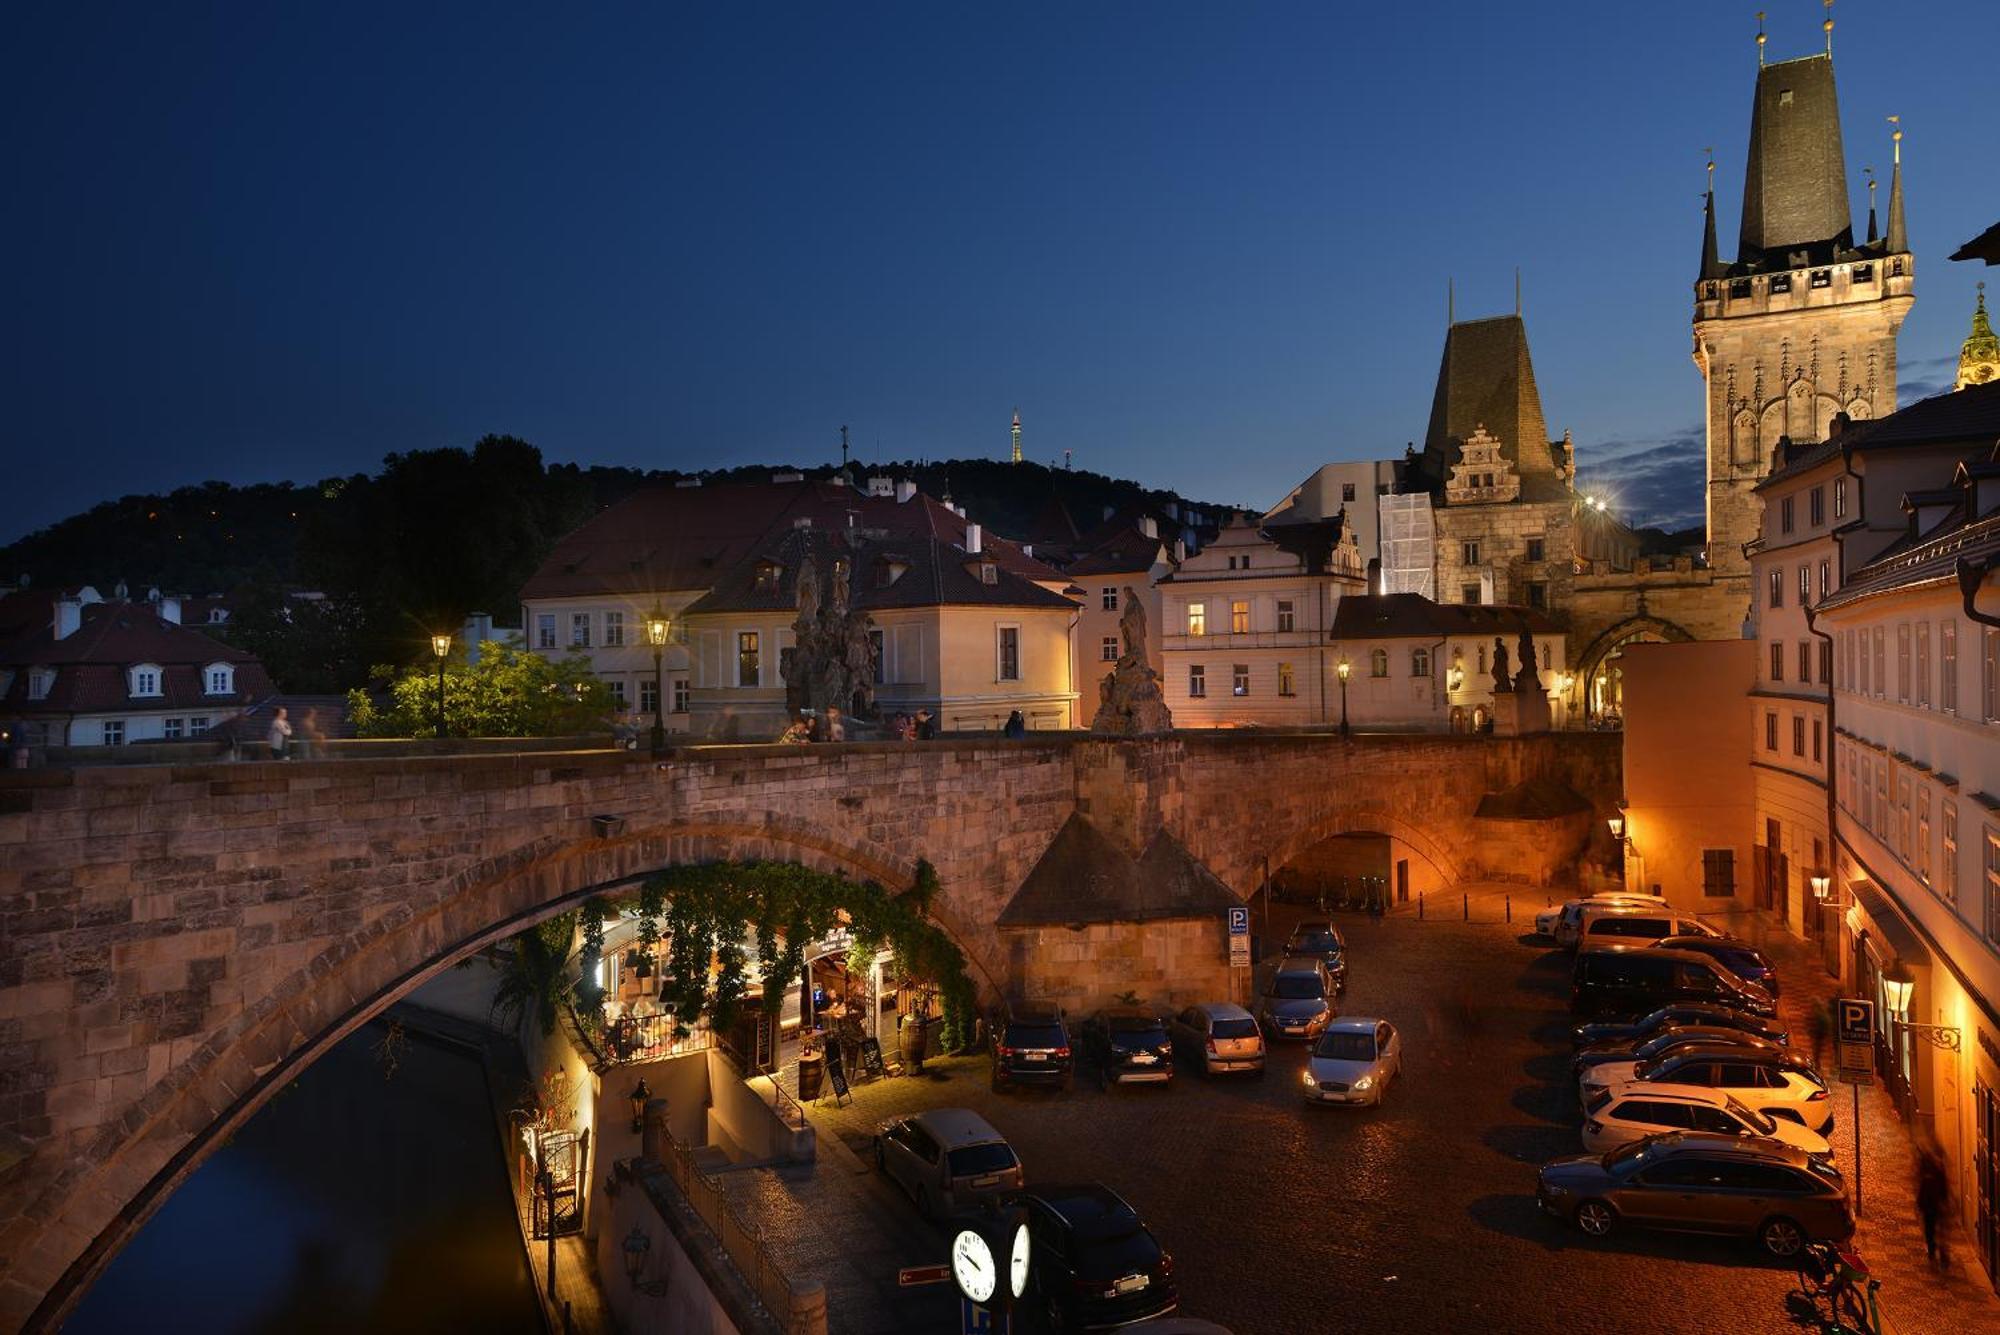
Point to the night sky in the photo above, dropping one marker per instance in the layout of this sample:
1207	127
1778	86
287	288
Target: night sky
1200	247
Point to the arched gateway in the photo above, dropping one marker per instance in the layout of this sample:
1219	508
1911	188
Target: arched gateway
182	940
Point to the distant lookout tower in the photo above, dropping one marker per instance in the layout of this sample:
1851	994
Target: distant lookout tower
1017	435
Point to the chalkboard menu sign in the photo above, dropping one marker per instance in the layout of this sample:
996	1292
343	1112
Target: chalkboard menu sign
871	1057
836	1074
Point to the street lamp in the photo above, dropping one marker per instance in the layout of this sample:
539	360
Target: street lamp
1898	982
656	635
440	649
1344	669
1617	824
639	1096
637	1245
1822	885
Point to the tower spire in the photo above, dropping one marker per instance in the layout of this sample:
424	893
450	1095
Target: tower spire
1828	26
1979	358
1760	39
1899	236
1711	260
1017	435
1873	234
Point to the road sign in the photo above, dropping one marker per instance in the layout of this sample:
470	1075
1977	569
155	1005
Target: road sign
1239	937
912	1275
976	1320
1855	1020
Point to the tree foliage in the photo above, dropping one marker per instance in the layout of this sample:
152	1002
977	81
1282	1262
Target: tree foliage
309	646
510	692
536	981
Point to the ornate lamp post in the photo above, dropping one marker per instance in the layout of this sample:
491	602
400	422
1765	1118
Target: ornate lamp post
440	649
1897	984
639	1096
657	626
1344	669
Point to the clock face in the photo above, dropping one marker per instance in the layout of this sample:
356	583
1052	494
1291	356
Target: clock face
1017	1261
972	1266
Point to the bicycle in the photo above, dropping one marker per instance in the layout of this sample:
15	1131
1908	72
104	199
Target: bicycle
1842	1281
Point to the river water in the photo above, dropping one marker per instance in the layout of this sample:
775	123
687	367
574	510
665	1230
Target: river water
357	1199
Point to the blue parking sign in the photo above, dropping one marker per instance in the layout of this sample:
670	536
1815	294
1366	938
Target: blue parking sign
1239	921
974	1319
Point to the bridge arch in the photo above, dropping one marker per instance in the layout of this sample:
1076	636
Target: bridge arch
1425	842
1598	658
141	1158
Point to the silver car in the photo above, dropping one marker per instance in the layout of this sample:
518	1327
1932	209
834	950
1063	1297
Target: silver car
1353	1062
1299	1002
1218	1036
947	1159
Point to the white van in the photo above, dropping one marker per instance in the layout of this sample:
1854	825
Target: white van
1634	925
1571	915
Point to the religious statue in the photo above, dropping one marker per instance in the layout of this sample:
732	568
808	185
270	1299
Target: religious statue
1503	681
1529	678
1130	701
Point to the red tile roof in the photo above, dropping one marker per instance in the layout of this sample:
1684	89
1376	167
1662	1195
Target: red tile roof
683	538
91	664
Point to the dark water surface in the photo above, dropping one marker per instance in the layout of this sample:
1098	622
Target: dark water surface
350	1202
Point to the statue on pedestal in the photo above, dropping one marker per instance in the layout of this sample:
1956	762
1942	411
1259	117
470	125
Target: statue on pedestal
1503	681
1130	702
1529	678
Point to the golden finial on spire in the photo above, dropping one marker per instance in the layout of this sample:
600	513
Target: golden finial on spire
1869	172
1760	39
1828	25
1710	151
1896	137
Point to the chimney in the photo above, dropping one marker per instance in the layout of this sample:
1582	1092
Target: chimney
780	478
1180	550
1173	509
880	485
1837	425
972	540
1149	526
69	617
905	489
688	482
170	609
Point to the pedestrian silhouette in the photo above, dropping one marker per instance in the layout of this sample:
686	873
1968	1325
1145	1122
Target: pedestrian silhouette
1933	1198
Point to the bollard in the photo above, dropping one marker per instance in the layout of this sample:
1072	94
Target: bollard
1420	906
1510	906
1467	906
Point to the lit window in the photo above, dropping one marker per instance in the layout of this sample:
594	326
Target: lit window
1239	679
1239	617
1197	618
749	658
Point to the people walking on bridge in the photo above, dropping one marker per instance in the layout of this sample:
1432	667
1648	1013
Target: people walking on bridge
280	734
926	726
1016	725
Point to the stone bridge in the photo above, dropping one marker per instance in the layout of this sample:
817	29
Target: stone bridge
177	942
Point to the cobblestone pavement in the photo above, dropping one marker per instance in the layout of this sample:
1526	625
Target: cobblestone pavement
1419	1216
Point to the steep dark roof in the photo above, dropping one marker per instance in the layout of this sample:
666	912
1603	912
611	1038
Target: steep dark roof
1487	379
933	574
1124	552
1795	175
1971	414
1389	615
91	662
1985	246
661	538
1084	877
1927	559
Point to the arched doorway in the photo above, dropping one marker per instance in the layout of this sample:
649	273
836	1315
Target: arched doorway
1601	674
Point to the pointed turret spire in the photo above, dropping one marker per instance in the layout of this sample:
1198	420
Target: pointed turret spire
1873	234
1899	237
1711	261
1979	357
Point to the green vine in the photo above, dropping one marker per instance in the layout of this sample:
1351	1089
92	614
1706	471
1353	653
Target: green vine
711	910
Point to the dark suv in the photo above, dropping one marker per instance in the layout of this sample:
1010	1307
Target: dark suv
1322	941
1696	1182
1739	957
1093	1263
1129	1045
1031	1046
1632	982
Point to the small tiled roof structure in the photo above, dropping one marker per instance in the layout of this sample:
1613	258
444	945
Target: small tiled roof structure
91	664
685	537
1486	379
1394	615
1086	877
1123	552
887	570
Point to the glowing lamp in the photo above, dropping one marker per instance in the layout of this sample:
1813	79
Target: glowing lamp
441	645
1344	669
1897	984
1821	883
639	1096
656	630
1617	824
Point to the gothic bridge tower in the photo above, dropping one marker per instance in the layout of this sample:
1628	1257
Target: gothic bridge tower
1802	323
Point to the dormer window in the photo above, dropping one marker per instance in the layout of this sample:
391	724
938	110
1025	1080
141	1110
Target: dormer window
145	679
887	572
767	576
989	573
219	679
40	682
217	615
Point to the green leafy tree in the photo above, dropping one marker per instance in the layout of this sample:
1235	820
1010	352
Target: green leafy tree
510	692
309	646
536	978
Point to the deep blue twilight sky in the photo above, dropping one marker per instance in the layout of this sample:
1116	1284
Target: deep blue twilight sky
1201	245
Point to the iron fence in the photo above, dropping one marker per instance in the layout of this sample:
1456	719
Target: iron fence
741	1240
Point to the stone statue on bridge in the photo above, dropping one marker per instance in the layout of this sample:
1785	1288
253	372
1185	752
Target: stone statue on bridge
1529	678
1503	681
833	654
1130	702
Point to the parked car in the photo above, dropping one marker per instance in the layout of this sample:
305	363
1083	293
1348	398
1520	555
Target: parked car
1685	1012
1779	1084
1570	917
1739	957
947	1159
1353	1061
1632	925
1698	1183
1634	1112
1129	1044
1323	942
1299	1002
1664	1041
1632	982
1218	1036
1093	1264
1031	1045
